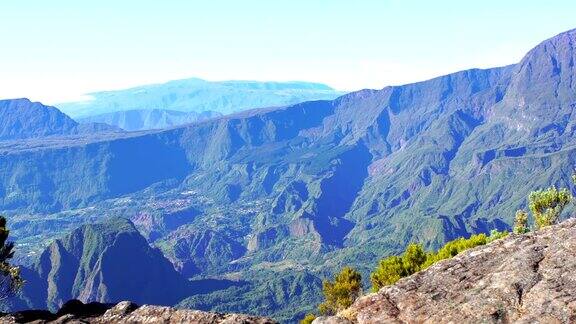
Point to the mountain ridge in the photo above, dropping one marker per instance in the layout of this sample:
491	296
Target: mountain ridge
22	119
197	95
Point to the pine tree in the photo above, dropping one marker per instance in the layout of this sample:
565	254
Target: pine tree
521	222
341	293
547	205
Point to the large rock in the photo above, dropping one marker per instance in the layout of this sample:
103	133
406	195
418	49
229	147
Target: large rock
523	278
127	312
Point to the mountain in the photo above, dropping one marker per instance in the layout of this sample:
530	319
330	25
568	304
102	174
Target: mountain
104	262
21	118
196	95
143	119
261	194
519	279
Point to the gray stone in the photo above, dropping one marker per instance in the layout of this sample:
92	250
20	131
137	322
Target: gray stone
527	278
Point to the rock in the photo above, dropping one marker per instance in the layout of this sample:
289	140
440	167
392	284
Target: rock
79	309
523	278
74	311
331	320
27	316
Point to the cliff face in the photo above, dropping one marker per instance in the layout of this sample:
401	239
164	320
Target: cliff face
523	278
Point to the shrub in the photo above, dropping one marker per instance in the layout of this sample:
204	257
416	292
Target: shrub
547	205
389	270
341	293
521	222
414	259
308	319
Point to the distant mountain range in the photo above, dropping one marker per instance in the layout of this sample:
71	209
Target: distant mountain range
197	95
282	197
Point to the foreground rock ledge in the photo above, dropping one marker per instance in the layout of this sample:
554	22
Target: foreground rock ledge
527	278
127	312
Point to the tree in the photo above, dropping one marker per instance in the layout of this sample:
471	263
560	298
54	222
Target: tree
547	205
392	268
341	293
413	258
10	280
521	222
388	272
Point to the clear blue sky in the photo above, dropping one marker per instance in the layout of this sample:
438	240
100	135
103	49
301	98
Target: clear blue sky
57	50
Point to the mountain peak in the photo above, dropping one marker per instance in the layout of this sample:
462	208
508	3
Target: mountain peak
547	69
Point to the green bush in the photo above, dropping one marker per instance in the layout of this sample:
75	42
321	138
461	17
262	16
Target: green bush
389	270
308	319
547	205
414	259
341	293
521	222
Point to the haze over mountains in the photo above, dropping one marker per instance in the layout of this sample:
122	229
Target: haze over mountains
280	197
182	101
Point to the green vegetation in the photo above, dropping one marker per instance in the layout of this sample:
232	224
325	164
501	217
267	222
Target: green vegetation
547	205
10	280
308	319
341	293
521	222
414	259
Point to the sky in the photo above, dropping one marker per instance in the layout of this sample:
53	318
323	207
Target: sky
57	51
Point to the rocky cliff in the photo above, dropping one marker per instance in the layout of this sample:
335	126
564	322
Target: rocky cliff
127	312
523	278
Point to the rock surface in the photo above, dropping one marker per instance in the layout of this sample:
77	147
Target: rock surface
127	312
523	278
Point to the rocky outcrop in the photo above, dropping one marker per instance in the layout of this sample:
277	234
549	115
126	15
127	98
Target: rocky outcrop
75	311
523	278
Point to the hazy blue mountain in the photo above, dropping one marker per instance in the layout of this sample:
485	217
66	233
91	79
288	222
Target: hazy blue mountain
21	118
196	95
144	119
263	194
